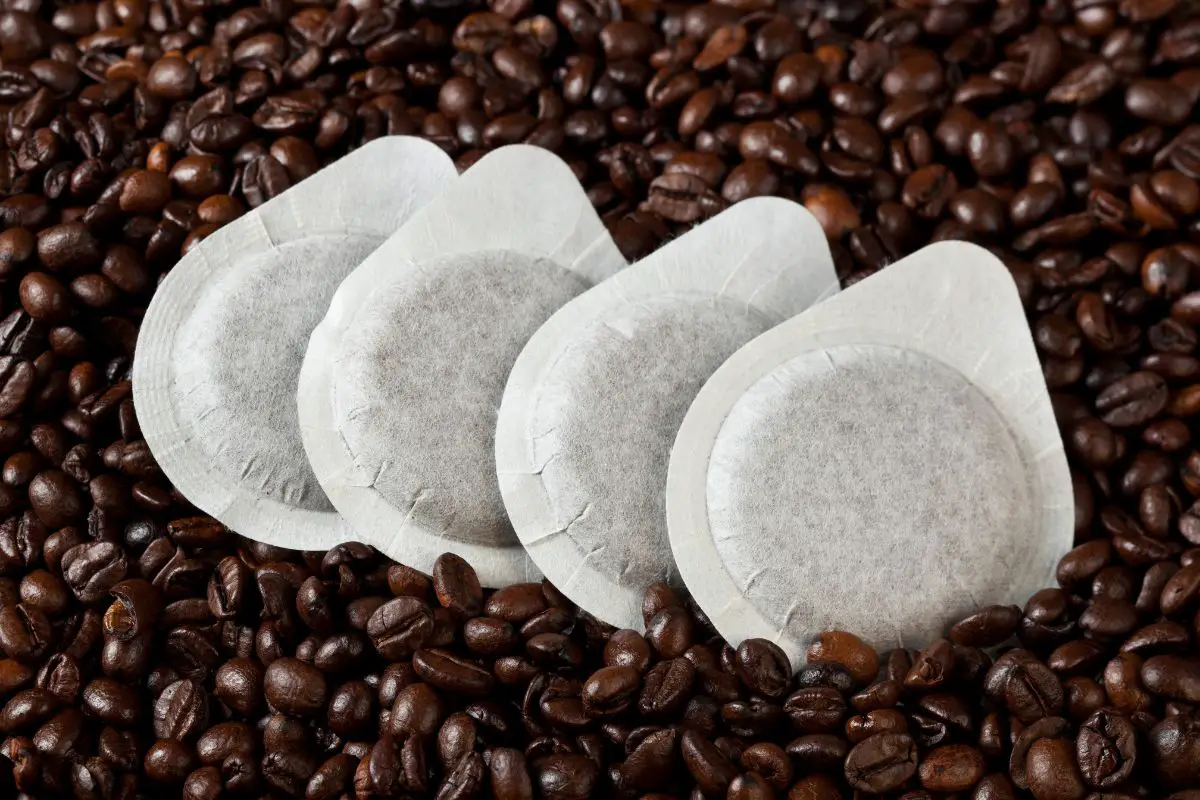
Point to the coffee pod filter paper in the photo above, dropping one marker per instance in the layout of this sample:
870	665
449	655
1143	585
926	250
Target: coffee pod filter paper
885	463
220	349
403	378
595	399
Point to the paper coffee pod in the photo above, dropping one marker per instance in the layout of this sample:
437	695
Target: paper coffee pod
885	463
218	357
402	379
595	399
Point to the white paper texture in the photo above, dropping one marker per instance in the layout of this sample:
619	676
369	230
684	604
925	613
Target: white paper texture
221	345
595	399
885	463
403	378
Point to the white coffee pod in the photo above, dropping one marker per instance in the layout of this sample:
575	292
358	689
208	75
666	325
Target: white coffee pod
885	463
595	399
214	378
402	380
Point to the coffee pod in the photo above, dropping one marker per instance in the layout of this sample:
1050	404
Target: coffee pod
595	399
402	379
219	353
886	463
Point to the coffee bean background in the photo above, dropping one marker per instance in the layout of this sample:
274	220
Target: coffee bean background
150	652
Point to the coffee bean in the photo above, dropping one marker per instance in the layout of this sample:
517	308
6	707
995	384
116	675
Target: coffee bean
417	710
610	691
294	687
239	685
457	586
666	686
517	603
1106	749
1132	400
168	761
92	569
25	632
1172	676
707	765
763	666
1051	769
112	702
848	650
952	768
181	711
400	627
565	776
451	673
987	627
881	763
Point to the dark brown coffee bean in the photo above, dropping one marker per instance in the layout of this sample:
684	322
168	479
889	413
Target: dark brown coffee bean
400	627
1051	769
111	702
763	666
239	685
294	687
25	632
610	691
1132	400
881	763
848	650
451	673
457	586
565	776
666	686
181	711
92	569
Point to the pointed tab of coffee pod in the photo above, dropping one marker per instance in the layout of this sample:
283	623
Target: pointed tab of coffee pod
218	357
402	379
594	401
885	463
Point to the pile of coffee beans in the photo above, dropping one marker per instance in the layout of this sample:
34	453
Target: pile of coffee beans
150	652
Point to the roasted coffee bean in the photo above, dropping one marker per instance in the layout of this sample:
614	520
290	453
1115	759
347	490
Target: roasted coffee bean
111	702
849	651
92	569
610	691
451	673
565	776
708	766
763	666
456	585
516	604
881	763
25	632
400	627
666	686
181	711
294	687
626	648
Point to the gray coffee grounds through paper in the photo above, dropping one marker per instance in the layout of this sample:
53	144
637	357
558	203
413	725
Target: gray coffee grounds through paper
422	372
611	407
251	362
828	473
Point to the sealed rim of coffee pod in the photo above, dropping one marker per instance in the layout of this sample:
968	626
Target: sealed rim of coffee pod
655	332
212	330
398	418
787	510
